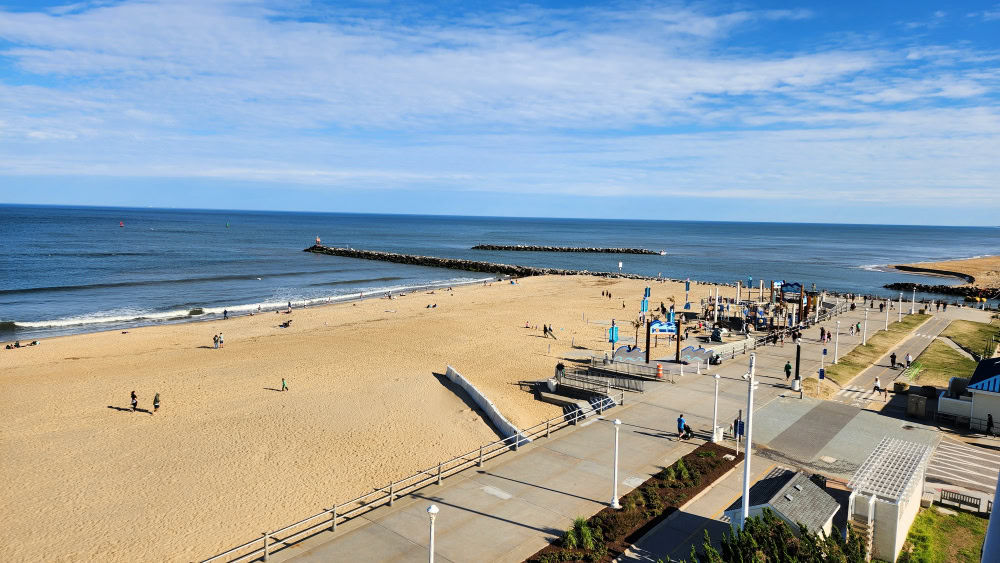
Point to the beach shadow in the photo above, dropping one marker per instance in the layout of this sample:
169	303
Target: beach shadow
467	400
127	409
272	389
206	347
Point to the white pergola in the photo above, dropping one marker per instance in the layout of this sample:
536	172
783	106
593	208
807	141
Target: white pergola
889	471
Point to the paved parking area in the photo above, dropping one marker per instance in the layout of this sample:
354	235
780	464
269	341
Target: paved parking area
962	468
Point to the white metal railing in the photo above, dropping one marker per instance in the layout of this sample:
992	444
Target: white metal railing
328	519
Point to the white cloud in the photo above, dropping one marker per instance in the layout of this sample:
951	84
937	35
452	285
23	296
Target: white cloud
645	101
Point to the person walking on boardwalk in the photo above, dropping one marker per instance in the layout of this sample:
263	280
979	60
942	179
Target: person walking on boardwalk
284	384
892	360
909	360
822	334
989	425
135	401
878	386
156	403
680	426
788	371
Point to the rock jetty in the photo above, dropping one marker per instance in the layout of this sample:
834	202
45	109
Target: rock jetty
959	290
467	265
533	248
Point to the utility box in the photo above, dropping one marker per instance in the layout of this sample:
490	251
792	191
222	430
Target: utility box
718	435
916	406
796	384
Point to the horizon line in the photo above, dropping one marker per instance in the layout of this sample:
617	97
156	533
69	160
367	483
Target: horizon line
214	209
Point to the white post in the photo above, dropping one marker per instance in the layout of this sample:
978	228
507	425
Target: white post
836	345
887	314
739	290
715	413
614	489
913	303
716	305
747	447
822	358
864	335
432	511
900	307
761	290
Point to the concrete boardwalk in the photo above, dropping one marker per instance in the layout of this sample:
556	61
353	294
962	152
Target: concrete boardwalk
516	504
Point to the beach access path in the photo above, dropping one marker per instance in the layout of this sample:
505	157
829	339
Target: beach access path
516	504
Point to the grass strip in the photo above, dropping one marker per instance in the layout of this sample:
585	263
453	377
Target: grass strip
944	538
938	364
862	357
972	336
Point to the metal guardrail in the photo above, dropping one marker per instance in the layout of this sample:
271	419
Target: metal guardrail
328	519
586	379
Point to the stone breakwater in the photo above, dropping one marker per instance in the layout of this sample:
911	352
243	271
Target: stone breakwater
934	271
959	290
533	248
467	265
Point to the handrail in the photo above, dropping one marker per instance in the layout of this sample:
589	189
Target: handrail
395	489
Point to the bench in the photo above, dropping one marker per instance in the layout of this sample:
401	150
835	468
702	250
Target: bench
960	499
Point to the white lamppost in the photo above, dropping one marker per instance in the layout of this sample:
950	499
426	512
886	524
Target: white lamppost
716	305
432	511
900	307
614	488
913	302
864	335
715	413
887	314
751	383
836	345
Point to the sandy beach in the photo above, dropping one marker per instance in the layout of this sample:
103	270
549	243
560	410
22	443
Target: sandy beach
986	270
228	455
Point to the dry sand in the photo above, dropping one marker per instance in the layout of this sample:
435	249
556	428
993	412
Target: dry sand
228	456
986	270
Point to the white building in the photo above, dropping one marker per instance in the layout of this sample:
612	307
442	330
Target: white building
885	495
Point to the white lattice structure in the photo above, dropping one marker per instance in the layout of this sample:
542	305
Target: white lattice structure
885	494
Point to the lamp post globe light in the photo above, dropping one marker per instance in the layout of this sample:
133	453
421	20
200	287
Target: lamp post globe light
614	487
432	511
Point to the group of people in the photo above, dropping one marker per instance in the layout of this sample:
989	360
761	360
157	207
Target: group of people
218	342
17	344
547	332
156	403
908	359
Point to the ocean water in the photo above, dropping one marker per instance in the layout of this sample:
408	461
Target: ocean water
72	269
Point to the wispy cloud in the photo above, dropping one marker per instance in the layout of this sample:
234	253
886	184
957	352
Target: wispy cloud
658	99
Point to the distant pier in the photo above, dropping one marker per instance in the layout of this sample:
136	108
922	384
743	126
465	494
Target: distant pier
535	248
467	265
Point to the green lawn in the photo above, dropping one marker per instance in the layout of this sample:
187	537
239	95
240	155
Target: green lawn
937	538
971	335
862	357
938	364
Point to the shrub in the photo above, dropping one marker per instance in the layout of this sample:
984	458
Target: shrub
706	453
669	474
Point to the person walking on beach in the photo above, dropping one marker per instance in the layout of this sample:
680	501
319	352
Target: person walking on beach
225	314
284	385
135	401
156	403
680	426
215	341
788	371
892	360
222	343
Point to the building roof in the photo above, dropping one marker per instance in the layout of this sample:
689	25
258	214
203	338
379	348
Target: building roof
795	497
987	376
890	470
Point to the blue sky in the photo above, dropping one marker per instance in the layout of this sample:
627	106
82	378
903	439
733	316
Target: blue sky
884	112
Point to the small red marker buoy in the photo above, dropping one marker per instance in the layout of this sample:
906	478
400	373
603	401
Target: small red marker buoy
121	223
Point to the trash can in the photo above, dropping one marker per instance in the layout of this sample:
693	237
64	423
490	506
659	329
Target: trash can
796	384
